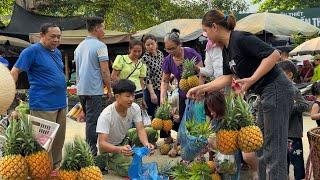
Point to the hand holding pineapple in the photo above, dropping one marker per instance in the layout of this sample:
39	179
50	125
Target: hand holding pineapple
125	150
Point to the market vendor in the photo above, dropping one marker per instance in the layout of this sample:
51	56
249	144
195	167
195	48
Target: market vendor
254	62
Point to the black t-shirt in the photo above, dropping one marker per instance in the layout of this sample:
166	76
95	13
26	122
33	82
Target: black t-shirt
244	55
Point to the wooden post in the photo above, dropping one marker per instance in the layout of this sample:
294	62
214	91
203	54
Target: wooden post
66	65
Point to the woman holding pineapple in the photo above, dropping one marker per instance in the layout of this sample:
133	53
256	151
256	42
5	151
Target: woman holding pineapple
175	63
254	63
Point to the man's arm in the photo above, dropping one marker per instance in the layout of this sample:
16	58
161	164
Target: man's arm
105	73
15	73
142	133
110	148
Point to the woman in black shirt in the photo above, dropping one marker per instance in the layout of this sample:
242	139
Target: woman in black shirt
253	63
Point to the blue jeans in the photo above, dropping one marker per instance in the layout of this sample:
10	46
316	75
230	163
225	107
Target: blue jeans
92	107
273	119
295	157
151	106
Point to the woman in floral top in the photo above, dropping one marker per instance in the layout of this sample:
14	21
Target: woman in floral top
153	58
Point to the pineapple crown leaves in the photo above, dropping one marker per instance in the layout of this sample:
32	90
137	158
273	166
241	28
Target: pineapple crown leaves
23	109
30	144
188	68
230	121
69	163
14	139
200	170
180	172
163	111
167	168
243	112
83	153
199	129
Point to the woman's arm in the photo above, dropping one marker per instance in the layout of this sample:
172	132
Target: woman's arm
164	86
115	75
266	65
314	114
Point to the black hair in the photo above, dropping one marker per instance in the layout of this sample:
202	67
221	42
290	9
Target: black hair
92	22
124	86
174	36
134	42
228	21
315	88
288	66
147	37
215	101
44	28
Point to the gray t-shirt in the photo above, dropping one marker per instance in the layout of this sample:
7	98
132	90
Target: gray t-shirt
115	126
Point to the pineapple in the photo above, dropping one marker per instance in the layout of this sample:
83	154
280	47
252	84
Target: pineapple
69	167
228	132
188	78
85	159
212	165
183	84
250	137
180	172
164	149
38	160
200	170
167	122
193	81
215	176
156	123
13	165
167	125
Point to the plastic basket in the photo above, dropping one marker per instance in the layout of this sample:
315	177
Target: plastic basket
313	163
45	131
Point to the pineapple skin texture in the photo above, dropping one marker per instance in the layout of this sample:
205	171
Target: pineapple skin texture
67	175
193	81
156	124
39	165
215	176
184	85
13	167
167	125
250	139
227	141
90	173
164	149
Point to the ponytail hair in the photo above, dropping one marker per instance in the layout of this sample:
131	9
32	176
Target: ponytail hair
228	21
174	36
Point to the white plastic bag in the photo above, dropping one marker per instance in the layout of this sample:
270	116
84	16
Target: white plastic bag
146	120
226	164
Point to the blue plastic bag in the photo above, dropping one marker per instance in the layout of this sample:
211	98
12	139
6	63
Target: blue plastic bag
140	171
191	145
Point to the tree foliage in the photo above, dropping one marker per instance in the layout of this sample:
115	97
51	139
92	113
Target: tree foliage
276	5
131	15
5	9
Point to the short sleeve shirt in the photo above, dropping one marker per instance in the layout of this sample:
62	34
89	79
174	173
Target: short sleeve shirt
88	55
154	68
46	77
169	67
125	65
244	55
115	126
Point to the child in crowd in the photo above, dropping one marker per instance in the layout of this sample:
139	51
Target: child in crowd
295	133
315	111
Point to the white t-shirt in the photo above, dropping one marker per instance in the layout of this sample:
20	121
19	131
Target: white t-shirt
213	64
115	126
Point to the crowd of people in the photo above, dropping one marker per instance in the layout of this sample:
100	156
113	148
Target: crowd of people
141	80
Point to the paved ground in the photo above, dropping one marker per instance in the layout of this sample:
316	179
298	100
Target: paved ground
77	129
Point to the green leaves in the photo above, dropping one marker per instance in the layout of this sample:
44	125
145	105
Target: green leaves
276	5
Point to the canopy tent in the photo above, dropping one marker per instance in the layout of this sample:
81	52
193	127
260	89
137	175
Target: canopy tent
311	46
190	29
24	22
74	37
11	41
277	24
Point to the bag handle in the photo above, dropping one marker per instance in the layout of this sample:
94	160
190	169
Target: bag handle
135	68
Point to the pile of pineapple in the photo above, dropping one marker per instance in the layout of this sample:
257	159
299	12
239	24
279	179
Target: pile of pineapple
23	155
189	78
162	118
78	163
237	129
195	170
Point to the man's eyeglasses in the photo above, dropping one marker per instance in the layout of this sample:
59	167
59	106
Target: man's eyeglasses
171	49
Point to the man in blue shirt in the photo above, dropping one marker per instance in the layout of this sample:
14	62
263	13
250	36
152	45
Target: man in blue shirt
47	94
92	71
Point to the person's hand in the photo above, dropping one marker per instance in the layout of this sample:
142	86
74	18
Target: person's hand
126	150
151	147
245	83
176	118
144	104
110	96
81	117
161	100
195	93
154	98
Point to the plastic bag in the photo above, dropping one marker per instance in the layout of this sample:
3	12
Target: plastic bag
140	171
226	164
198	111
190	145
146	120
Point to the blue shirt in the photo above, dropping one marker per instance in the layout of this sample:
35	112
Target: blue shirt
88	55
46	78
4	61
